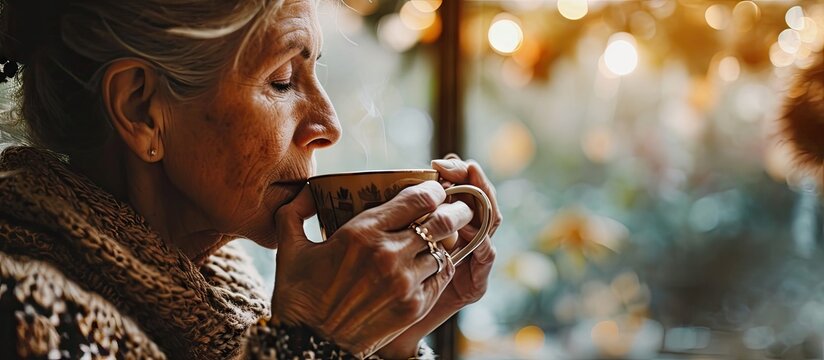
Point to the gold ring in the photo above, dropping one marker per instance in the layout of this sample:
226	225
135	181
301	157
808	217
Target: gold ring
422	231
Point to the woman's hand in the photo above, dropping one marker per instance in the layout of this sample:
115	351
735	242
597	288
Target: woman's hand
470	280
373	278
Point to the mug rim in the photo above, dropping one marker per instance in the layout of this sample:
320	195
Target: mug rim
372	172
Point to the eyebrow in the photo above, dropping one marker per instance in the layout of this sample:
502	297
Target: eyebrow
305	52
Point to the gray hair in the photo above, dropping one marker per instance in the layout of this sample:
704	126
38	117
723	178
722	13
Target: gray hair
189	42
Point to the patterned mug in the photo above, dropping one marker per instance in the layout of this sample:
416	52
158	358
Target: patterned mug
339	197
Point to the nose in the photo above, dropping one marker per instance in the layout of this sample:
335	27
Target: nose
319	126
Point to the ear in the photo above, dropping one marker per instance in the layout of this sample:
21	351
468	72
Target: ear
131	97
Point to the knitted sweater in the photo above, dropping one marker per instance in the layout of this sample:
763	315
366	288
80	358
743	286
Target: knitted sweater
83	276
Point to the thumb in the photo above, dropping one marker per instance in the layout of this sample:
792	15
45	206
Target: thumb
290	217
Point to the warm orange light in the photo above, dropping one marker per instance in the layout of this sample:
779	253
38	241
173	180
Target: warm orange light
512	148
414	18
529	339
505	35
745	15
425	5
717	16
779	57
729	69
620	56
573	9
394	34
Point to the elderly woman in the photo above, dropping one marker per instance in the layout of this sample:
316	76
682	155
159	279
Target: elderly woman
163	130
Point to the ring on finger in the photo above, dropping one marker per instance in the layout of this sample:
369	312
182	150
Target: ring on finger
422	231
439	258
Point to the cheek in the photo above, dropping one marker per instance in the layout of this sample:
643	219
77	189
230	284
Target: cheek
224	159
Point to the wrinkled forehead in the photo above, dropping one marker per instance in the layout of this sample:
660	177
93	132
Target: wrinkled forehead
294	25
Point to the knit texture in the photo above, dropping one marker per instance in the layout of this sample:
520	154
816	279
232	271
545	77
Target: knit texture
82	276
61	233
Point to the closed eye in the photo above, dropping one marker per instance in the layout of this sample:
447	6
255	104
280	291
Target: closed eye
281	87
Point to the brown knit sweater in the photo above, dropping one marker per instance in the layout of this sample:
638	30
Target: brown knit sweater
82	273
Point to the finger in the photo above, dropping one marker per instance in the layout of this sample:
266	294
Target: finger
447	219
485	253
392	255
450	242
369	300
432	287
357	306
292	214
410	204
435	283
480	265
371	305
426	297
470	172
426	265
343	278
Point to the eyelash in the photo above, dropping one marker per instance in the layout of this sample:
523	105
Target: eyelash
281	87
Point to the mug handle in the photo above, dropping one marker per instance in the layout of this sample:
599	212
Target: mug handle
486	218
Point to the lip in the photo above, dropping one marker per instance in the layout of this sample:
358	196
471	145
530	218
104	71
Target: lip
296	182
372	172
290	188
293	186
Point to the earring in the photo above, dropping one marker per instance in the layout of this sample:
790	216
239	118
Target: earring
152	152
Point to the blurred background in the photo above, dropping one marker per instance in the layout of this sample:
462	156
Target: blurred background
649	210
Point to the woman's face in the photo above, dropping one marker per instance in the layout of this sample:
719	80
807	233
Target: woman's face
246	149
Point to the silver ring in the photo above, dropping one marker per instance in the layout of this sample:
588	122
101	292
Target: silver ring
439	258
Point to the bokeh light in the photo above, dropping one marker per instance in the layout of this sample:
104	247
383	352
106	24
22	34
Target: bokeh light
573	9
620	161
779	57
729	69
809	32
362	7
789	40
717	16
745	15
795	18
598	144
621	56
424	5
416	19
529	339
533	270
642	25
393	33
478	323
511	149
505	35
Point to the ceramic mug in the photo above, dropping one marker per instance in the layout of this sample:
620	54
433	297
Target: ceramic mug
340	197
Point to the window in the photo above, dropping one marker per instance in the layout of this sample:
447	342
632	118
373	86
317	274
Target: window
648	210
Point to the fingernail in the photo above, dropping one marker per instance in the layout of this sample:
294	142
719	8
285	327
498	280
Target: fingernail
444	164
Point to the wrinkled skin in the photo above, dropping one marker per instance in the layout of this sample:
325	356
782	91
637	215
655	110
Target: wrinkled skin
233	163
382	286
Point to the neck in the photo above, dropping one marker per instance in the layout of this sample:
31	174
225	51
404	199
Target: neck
147	188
